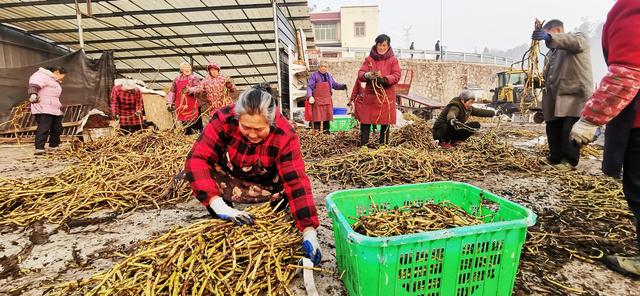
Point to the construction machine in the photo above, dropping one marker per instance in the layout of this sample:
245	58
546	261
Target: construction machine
508	96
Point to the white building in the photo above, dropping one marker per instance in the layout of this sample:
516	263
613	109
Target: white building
352	26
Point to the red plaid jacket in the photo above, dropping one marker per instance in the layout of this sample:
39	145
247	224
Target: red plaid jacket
125	104
279	151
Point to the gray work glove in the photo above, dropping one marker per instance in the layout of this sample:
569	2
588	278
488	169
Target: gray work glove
228	213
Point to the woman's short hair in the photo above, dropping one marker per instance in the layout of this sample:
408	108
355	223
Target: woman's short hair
382	38
466	95
257	100
60	69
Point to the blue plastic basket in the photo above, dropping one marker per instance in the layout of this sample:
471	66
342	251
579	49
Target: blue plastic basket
339	111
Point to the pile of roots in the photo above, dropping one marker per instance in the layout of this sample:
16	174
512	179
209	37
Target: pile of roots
116	174
414	219
211	257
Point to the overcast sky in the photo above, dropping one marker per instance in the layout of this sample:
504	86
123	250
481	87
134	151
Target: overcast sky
471	25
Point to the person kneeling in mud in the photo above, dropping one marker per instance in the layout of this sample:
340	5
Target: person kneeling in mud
451	127
250	153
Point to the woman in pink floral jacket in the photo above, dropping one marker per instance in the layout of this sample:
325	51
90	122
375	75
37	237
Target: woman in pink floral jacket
216	87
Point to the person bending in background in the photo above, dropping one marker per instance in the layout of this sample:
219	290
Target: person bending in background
451	127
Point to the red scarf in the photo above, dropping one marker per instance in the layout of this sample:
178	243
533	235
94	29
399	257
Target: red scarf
379	57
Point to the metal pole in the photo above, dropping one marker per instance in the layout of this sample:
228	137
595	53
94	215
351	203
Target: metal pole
441	26
79	19
277	44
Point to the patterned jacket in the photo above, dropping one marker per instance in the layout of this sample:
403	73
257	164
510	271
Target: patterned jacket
280	152
125	104
215	90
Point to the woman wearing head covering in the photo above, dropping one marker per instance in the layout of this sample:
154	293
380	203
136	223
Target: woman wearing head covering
44	94
250	153
319	105
181	98
126	105
216	88
377	104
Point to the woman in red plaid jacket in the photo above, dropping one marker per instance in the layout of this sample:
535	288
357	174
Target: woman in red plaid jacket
250	153
126	105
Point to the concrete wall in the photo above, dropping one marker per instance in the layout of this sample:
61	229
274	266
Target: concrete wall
439	81
349	15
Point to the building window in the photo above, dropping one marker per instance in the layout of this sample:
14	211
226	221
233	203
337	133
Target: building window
326	32
359	30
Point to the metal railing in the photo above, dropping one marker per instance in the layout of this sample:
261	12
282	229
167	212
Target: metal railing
447	56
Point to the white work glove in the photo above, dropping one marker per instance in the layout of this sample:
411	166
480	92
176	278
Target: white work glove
583	132
310	245
455	123
230	214
311	100
33	98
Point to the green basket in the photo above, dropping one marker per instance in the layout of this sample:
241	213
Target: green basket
464	261
342	124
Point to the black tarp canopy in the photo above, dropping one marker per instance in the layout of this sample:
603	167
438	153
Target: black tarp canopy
88	82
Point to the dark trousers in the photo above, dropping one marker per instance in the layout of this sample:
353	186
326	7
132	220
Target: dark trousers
631	178
194	128
49	127
453	134
129	129
365	130
560	145
324	125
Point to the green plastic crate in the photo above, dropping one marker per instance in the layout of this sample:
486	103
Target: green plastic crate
342	124
464	261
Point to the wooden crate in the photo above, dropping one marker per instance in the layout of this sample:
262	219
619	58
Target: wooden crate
26	123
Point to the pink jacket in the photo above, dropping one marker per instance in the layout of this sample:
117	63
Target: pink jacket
48	93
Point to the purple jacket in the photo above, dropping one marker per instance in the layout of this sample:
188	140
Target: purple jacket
44	84
317	77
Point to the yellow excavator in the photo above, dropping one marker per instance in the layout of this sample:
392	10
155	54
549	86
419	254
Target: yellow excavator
508	95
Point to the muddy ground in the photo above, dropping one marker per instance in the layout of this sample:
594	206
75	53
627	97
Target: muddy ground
39	256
